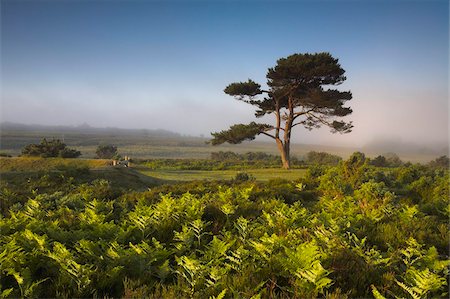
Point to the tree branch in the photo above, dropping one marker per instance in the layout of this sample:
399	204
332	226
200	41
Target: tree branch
267	134
239	132
320	120
303	112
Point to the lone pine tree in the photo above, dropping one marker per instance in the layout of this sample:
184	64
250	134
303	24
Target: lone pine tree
297	95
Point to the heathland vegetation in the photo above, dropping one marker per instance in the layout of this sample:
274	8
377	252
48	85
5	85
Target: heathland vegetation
344	230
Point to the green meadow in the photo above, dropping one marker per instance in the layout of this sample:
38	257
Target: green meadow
192	175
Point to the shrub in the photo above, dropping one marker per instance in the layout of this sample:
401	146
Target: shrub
68	153
52	148
442	161
379	161
387	160
243	177
322	158
106	151
393	160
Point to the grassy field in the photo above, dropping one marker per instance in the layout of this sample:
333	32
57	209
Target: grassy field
27	164
143	175
263	174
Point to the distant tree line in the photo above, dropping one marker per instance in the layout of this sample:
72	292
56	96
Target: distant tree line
249	156
312	157
322	158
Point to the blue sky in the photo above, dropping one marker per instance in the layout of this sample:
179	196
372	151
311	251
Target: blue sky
155	64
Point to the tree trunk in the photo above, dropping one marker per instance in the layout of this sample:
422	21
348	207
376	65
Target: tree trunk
284	153
285	160
284	147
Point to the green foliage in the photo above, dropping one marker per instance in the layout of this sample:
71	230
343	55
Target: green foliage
249	156
47	149
322	158
238	133
106	151
379	161
354	169
34	164
243	177
441	162
386	160
249	88
355	238
254	159
220	161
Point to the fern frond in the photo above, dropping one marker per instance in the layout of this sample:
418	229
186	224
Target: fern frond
6	293
220	296
376	294
408	289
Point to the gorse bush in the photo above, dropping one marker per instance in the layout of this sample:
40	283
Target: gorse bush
347	231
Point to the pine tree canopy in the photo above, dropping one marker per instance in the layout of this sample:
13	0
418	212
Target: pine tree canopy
299	93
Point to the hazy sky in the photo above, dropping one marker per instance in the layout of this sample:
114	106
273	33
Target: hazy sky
155	64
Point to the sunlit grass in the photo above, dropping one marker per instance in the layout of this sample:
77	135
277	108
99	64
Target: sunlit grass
41	164
190	175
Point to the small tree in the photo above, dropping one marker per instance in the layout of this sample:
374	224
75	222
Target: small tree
322	158
51	148
387	160
393	160
297	95
379	161
106	151
442	161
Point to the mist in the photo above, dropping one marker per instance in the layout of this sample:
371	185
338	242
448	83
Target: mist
407	119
